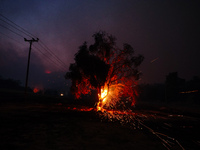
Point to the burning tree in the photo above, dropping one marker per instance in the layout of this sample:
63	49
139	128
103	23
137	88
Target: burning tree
111	71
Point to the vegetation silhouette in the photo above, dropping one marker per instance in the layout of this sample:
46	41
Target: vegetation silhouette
102	65
174	85
175	89
10	84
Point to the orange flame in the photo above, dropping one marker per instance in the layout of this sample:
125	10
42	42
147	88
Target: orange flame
102	99
111	96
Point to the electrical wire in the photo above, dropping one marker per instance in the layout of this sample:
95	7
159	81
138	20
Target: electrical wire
29	34
25	32
11	38
18	26
11	30
15	27
50	52
42	43
63	69
47	58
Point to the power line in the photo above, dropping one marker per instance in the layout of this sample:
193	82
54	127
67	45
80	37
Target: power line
46	57
11	38
29	55
15	27
18	26
43	46
49	59
11	30
51	53
25	32
52	65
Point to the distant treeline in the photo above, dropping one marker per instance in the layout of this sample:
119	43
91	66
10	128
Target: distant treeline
174	89
10	84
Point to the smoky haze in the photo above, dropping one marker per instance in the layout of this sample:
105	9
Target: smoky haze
165	32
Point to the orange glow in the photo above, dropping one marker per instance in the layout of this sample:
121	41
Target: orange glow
190	91
35	90
80	108
110	96
104	93
102	99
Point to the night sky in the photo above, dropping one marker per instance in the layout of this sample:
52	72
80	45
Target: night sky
166	32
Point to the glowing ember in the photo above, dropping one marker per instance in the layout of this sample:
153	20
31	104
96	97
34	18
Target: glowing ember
102	99
104	93
116	78
47	71
134	120
80	108
117	96
35	90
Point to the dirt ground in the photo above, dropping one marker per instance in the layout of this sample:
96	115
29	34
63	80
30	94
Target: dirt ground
50	126
36	122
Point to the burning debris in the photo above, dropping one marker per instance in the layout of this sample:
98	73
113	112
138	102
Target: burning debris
111	71
137	121
36	90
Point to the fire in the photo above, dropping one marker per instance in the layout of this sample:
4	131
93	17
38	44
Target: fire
47	71
104	93
35	90
116	96
102	99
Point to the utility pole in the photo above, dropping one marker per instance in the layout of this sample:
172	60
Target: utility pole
29	54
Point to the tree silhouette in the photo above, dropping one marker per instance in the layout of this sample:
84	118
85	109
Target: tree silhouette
10	83
103	65
173	85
